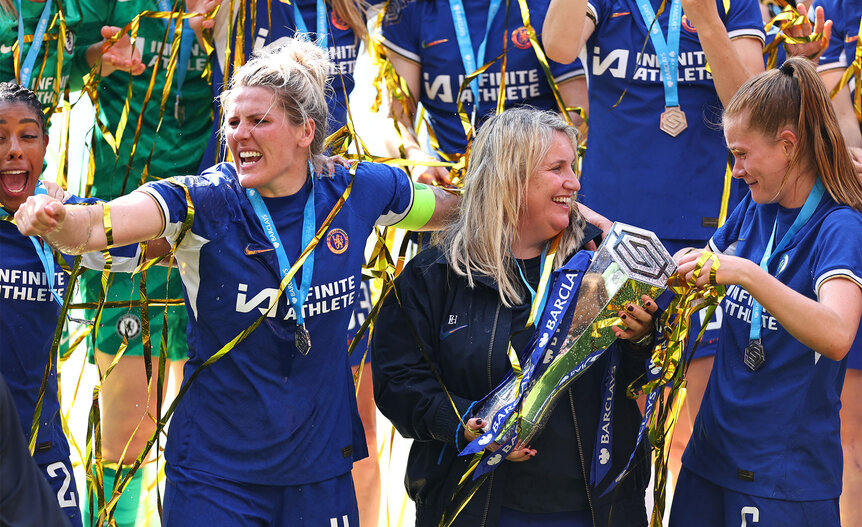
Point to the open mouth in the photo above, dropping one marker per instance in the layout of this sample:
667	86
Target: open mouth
563	200
249	158
14	181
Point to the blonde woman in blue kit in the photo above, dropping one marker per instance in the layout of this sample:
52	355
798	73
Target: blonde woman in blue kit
766	445
279	450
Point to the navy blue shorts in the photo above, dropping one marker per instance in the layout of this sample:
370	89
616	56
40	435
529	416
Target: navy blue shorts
697	501
194	498
62	481
513	518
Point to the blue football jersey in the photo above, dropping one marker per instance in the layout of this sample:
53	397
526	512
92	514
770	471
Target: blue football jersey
631	165
28	319
845	17
423	31
774	432
265	413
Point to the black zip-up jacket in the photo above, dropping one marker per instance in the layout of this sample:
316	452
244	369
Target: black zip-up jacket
433	315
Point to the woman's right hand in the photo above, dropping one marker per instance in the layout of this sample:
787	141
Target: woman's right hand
39	215
474	429
121	55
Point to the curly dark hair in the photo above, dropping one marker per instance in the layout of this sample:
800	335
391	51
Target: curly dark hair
12	93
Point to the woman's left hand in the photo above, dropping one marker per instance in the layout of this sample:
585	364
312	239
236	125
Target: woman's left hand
638	320
55	191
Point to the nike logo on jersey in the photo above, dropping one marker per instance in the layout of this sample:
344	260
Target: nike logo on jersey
621	13
434	42
251	252
446	334
851	38
4	49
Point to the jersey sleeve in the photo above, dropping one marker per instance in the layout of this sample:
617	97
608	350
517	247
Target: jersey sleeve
743	19
839	249
400	30
207	195
384	194
597	10
832	57
564	72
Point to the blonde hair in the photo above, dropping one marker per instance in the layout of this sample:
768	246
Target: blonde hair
354	14
793	96
8	7
297	73
505	154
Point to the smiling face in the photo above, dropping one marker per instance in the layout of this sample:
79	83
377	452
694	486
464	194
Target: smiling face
270	152
550	197
764	163
22	150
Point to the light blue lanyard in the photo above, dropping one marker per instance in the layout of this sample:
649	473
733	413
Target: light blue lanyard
465	44
30	60
802	218
322	30
296	297
46	256
668	52
544	297
186	43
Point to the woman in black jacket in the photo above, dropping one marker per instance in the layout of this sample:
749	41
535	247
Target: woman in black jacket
456	307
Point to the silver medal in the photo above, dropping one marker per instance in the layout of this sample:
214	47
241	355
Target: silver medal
672	121
754	355
302	339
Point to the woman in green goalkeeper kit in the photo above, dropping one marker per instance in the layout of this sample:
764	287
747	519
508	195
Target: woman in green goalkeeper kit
170	141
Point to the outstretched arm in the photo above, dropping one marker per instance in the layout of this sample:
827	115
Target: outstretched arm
77	229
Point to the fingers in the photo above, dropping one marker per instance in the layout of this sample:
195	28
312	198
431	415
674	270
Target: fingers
432	175
473	429
521	453
109	31
39	215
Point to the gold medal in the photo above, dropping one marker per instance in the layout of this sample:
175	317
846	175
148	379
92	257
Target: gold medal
673	121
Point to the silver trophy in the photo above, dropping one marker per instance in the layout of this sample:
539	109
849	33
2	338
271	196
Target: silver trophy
629	263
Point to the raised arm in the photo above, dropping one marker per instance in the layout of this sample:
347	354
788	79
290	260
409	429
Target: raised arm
732	61
77	229
563	36
411	73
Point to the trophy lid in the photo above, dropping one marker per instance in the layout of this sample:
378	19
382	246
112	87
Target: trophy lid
639	253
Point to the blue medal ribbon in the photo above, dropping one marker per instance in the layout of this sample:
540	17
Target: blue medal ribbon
46	255
465	44
186	42
295	295
30	59
544	298
802	218
652	373
667	51
322	31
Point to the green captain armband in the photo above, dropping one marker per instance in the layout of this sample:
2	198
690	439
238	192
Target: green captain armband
420	213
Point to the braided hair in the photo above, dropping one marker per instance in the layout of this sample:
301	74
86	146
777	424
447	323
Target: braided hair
14	93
